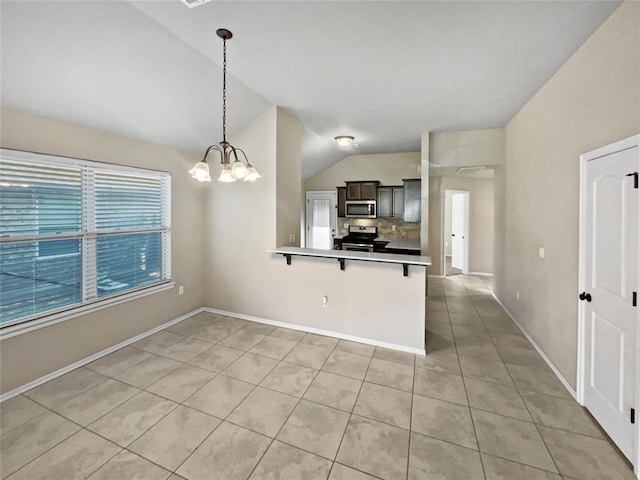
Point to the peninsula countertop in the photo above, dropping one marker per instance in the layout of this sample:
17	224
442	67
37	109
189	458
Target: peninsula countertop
400	243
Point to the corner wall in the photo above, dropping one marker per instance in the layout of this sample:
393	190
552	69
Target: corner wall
245	279
288	178
593	100
26	357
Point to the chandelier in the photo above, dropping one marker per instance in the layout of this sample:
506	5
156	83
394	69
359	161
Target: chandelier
228	153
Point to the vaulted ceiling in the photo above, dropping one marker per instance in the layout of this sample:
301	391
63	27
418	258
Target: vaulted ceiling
383	72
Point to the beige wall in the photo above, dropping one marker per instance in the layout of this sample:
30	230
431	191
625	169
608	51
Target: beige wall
447	151
389	169
425	188
467	148
37	353
245	279
593	100
481	229
288	178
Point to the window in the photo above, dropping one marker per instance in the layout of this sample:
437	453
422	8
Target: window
73	232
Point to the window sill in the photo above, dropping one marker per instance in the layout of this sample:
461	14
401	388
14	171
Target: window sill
48	320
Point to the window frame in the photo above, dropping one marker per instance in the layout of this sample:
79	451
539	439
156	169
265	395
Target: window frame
88	235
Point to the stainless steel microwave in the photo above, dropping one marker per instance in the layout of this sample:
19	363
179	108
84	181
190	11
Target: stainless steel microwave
360	208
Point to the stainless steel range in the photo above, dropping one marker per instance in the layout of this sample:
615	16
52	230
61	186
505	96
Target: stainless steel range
360	238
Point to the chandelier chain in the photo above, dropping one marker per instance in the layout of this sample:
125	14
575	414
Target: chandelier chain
224	90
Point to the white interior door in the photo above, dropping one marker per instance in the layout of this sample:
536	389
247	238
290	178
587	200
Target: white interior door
610	243
459	234
321	219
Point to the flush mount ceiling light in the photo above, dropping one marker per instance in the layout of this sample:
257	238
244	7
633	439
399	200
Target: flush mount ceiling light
194	3
344	140
237	171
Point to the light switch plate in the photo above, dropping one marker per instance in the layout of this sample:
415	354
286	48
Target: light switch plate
541	252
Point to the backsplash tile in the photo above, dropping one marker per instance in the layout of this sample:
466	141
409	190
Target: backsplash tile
385	227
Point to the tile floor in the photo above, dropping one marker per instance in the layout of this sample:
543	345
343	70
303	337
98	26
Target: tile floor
220	398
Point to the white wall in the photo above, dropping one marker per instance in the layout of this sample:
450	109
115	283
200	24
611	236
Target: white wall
593	100
31	355
367	300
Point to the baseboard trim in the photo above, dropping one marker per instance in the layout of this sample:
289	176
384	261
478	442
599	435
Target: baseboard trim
435	276
538	349
481	274
327	333
50	376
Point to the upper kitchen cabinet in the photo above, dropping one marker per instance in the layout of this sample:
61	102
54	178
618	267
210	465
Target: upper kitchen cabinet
412	193
362	190
342	198
397	195
391	202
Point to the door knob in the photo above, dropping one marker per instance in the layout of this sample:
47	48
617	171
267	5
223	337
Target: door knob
585	296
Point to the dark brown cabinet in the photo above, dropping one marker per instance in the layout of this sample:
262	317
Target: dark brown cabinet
342	198
391	202
397	194
368	190
412	200
385	202
354	190
361	190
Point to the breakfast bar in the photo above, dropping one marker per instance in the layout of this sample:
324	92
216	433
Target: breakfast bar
343	255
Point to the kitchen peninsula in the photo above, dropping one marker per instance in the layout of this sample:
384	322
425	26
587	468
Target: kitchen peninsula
369	297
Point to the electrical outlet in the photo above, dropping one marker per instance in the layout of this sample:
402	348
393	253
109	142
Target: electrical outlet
292	238
325	302
181	290
518	296
393	227
541	252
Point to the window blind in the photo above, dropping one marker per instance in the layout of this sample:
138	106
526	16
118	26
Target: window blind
75	231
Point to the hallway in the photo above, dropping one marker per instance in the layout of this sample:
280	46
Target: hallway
520	411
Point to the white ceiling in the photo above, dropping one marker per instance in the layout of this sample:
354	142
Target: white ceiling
383	72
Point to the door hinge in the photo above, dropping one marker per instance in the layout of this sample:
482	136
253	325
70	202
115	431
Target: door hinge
633	415
634	299
635	178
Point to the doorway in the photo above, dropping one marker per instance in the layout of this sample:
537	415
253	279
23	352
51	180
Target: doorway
608	288
456	232
321	220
